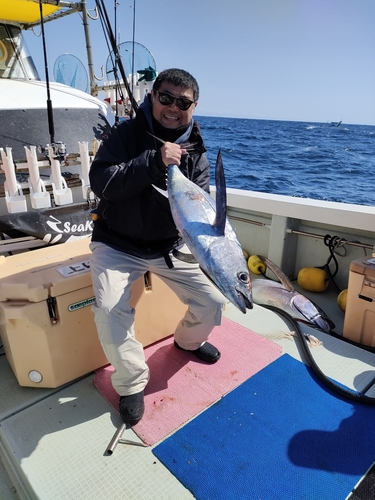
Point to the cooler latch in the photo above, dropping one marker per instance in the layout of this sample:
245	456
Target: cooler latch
51	304
363	297
368	288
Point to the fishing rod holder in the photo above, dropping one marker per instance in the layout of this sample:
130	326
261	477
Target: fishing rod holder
61	193
56	154
85	161
14	197
39	196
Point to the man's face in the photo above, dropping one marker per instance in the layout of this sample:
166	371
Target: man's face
170	115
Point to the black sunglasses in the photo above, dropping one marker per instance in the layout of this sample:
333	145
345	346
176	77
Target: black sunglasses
167	99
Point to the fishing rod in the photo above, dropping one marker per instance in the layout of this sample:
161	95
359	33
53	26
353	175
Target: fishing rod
51	127
133	46
118	88
112	40
58	147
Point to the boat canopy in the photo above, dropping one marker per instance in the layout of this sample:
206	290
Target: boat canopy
24	11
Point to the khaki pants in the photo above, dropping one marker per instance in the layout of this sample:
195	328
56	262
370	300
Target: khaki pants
113	273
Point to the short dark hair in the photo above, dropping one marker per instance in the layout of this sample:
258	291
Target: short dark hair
178	77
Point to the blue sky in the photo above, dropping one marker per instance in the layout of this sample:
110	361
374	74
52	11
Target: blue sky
304	60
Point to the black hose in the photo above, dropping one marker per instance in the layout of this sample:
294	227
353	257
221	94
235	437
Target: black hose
353	396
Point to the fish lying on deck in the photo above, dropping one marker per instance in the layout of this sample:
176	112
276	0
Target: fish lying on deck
203	224
285	297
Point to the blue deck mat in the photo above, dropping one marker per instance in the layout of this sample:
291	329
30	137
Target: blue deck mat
279	435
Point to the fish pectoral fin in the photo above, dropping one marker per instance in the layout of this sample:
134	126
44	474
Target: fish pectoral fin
221	196
164	192
157	138
284	280
189	146
312	312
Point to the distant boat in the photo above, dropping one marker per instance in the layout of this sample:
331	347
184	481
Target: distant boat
334	124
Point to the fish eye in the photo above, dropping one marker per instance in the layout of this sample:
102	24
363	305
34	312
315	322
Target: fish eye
244	277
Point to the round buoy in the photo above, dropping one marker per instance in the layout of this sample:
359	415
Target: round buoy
312	279
342	298
255	265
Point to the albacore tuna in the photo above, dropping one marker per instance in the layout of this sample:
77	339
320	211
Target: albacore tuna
282	295
204	226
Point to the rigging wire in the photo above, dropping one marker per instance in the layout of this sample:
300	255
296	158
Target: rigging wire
112	40
111	55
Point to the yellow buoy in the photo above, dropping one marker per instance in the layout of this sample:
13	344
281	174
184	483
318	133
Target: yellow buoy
255	265
312	279
342	298
246	255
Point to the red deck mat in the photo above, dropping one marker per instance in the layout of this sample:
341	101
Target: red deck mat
181	386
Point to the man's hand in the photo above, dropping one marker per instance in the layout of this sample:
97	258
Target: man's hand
171	153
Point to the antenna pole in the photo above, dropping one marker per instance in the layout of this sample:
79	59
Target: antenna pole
90	64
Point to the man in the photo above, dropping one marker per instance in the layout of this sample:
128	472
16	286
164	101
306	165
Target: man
135	233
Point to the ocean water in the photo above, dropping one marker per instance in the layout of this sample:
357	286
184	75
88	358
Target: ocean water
307	160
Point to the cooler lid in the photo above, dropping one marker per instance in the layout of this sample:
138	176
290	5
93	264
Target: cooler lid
49	271
364	266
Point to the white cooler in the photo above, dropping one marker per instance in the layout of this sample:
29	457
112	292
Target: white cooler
47	325
359	322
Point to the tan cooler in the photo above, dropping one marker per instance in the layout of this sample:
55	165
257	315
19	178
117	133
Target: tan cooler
359	322
47	325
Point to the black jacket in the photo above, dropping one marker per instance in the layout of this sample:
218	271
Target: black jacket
132	215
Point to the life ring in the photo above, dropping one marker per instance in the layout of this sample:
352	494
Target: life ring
3	52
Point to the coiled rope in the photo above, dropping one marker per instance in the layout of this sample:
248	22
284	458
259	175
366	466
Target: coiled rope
333	243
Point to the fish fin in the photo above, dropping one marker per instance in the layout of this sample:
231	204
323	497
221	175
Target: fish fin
314	315
221	196
321	320
157	138
164	192
189	146
285	281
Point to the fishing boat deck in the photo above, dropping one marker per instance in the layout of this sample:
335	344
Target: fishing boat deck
53	441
